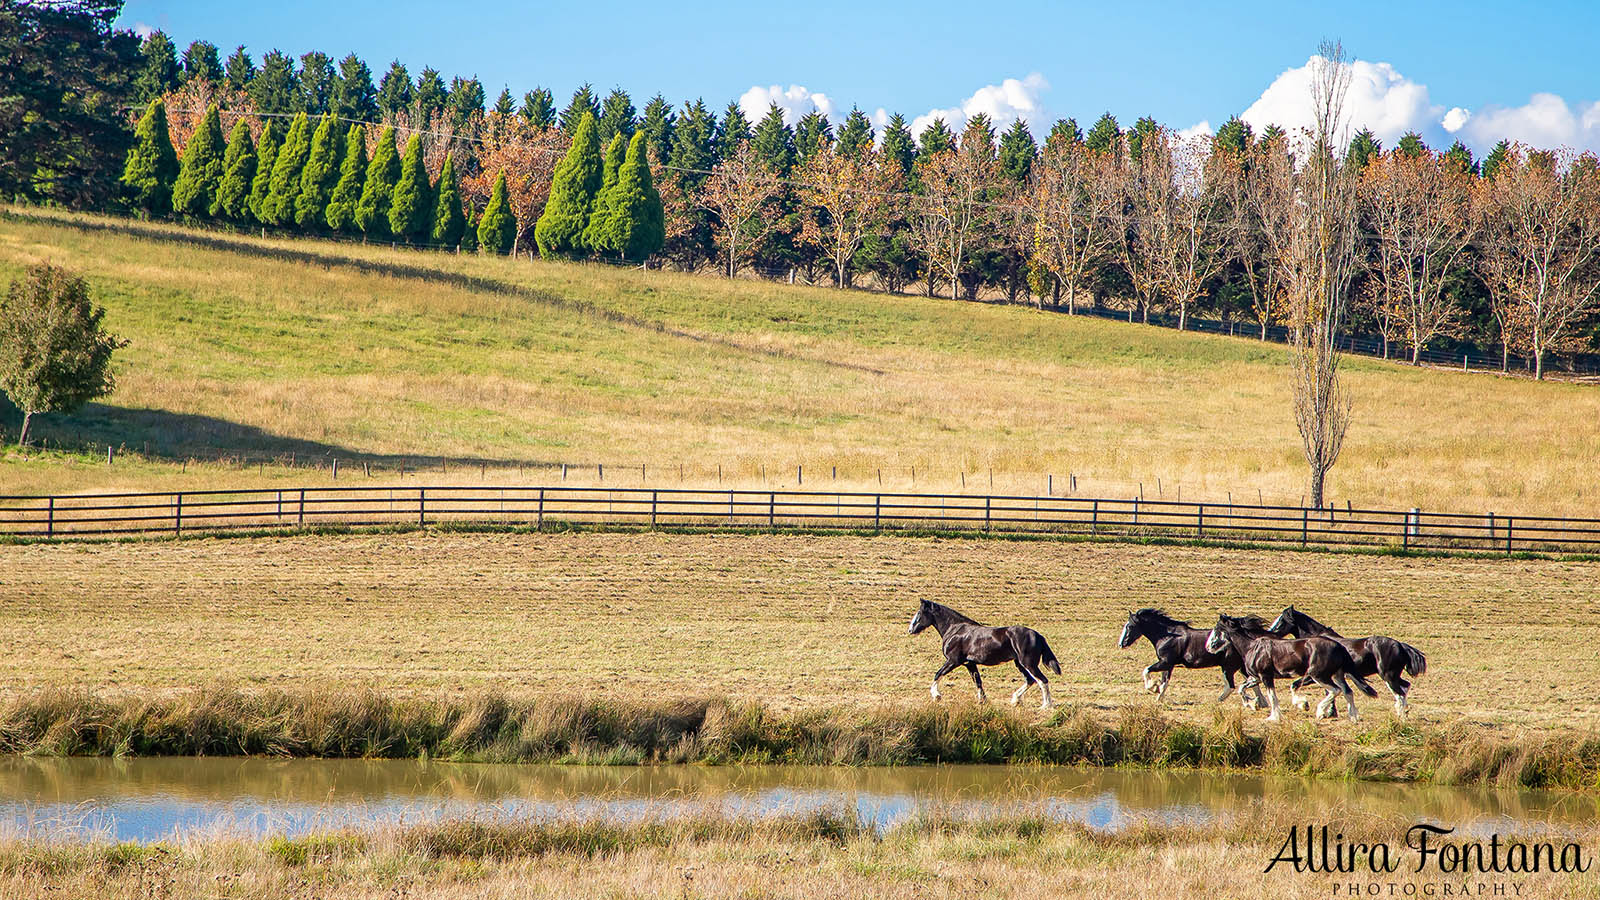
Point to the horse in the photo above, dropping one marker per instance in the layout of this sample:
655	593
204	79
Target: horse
1177	643
1268	658
967	643
1377	655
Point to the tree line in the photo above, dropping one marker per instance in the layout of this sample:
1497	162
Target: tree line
1503	251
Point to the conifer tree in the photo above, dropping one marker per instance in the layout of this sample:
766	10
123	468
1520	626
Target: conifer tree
599	217
1017	152
409	207
657	126
582	102
466	100
898	144
320	174
354	97
812	133
201	63
238	171
1497	157
856	135
431	96
316	82
394	91
504	106
635	223
158	68
539	108
284	188
469	234
200	172
773	142
497	228
448	222
266	159
276	89
617	117
152	164
732	131
341	212
1363	147
1104	135
372	210
572	190
240	70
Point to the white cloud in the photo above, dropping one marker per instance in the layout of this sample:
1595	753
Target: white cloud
1199	129
1003	103
1546	120
1380	98
795	101
1455	118
143	29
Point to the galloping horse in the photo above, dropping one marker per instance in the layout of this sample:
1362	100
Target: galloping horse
1377	655
1177	643
967	643
1268	658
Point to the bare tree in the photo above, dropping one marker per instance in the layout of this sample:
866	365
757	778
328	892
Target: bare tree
952	204
1319	262
1540	216
1419	210
1179	239
739	192
528	155
1144	186
1073	196
1258	196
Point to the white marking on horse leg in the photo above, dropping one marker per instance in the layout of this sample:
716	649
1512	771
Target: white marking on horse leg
1350	704
1149	683
1272	703
934	689
1017	694
1044	686
1400	705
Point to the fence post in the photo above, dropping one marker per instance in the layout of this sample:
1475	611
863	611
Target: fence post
422	506
539	521
772	508
50	523
1491	531
1135	506
1509	520
1305	519
877	512
177	515
1094	517
280	505
986	512
300	519
1200	521
653	508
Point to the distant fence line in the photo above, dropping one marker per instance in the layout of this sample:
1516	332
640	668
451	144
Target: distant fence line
185	512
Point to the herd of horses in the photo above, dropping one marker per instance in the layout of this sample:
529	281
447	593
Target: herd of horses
1295	648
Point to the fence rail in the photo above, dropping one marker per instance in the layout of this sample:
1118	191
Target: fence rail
178	513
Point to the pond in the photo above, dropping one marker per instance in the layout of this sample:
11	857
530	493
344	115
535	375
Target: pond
151	799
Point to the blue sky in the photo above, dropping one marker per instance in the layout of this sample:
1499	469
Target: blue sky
1179	62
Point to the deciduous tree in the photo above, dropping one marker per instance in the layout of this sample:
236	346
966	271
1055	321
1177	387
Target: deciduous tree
54	353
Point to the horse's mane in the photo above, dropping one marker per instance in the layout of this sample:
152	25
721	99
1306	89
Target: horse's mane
1160	616
1305	617
1249	623
952	614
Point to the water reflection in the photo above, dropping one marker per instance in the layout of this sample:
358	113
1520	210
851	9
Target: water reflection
148	799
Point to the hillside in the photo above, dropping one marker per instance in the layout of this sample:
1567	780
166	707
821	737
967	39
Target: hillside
270	348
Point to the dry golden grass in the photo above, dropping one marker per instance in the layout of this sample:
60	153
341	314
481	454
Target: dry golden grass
369	352
1017	856
792	621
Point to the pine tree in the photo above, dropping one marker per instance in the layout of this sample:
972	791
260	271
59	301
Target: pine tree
354	97
1497	157
448	222
812	133
497	228
409	207
599	226
572	190
238	171
275	89
341	212
1459	156
582	102
240	71
152	164
936	138
158	67
504	106
617	117
635	222
372	210
316	82
284	188
1017	152
1144	129
431	97
733	130
200	172
319	175
201	63
539	108
266	158
693	142
469	234
1411	145
1363	147
1065	132
466	101
898	144
856	135
1234	136
394	91
657	125
1104	135
773	142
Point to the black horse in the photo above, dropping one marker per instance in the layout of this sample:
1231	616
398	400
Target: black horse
967	643
1177	643
1267	658
1377	655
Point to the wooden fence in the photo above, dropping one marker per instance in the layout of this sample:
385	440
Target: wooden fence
86	515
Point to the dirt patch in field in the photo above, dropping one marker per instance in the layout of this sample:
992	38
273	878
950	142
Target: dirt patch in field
794	621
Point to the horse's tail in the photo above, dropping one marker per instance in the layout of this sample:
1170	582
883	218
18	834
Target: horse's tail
1362	684
1047	658
1348	664
1416	662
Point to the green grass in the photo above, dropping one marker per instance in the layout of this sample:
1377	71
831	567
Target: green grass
275	348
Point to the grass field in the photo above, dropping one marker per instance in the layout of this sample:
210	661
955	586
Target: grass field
1015	854
793	622
276	347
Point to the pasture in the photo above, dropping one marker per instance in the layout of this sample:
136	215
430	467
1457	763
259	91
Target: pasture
794	622
271	348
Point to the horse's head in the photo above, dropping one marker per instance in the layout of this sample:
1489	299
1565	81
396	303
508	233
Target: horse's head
1138	620
1285	622
1226	627
923	617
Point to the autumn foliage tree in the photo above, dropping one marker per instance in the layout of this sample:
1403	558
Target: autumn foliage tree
739	193
851	191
